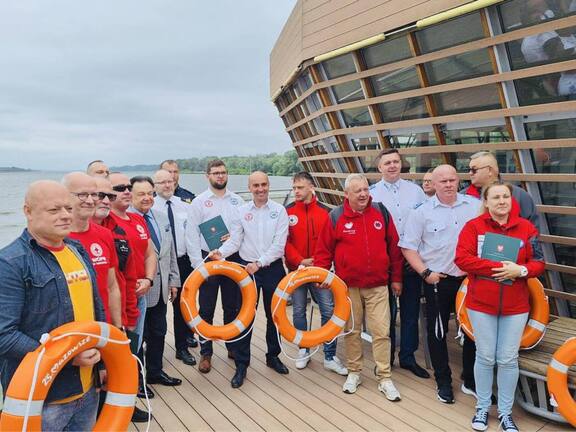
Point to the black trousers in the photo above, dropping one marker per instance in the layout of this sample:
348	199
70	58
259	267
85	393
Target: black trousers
443	303
155	328
468	360
181	330
230	297
267	279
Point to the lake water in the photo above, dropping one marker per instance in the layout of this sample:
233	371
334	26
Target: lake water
14	186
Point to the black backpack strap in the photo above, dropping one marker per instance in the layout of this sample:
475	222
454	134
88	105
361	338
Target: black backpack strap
385	213
335	214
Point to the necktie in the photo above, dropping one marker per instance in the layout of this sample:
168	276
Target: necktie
172	226
148	219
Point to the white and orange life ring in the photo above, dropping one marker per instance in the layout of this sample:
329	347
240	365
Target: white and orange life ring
190	290
50	357
537	320
557	380
297	278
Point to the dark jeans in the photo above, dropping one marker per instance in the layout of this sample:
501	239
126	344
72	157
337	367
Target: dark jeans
230	297
409	314
443	302
468	360
267	279
155	328
181	330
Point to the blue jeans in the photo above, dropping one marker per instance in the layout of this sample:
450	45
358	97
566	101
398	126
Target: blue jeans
78	415
142	305
409	315
497	343
326	305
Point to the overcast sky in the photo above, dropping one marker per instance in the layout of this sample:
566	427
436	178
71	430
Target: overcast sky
136	81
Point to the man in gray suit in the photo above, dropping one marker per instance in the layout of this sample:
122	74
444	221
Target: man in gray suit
166	282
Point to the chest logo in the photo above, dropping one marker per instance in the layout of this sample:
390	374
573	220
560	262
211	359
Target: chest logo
140	229
378	225
348	225
292	220
274	215
96	250
208	203
234	201
248	217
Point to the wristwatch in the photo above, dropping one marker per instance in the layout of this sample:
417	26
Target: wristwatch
523	271
151	281
425	273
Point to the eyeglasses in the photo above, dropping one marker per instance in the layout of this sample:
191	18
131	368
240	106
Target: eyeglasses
122	188
427	181
475	170
219	173
110	196
83	196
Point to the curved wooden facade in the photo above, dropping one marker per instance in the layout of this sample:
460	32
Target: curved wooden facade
439	80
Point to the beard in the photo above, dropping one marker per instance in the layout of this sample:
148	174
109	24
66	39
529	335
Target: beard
219	186
102	213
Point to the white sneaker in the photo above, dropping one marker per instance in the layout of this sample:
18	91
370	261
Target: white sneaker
335	365
387	387
352	383
303	359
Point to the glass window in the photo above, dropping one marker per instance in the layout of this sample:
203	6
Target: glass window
356	117
560	194
461	160
416	163
322	124
551	129
389	51
487	134
368	163
313	102
462	66
456	31
546	88
404	109
554	160
396	81
469	99
339	66
303	83
562	225
515	14
348	92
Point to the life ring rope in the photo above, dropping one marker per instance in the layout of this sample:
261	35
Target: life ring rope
557	380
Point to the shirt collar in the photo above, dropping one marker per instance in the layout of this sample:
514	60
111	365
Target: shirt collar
460	199
213	195
252	205
391	186
138	212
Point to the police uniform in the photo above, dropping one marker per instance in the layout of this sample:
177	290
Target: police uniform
432	230
206	206
184	194
399	198
259	235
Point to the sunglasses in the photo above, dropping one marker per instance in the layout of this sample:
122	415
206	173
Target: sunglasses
475	170
122	188
111	197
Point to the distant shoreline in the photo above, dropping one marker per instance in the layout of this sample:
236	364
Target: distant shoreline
14	169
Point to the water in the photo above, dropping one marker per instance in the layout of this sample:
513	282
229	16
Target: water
14	186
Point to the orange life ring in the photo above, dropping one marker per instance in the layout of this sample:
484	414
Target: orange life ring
53	355
249	297
297	278
537	320
557	380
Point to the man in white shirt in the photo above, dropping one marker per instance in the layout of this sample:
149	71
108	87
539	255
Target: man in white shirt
176	212
400	196
217	200
259	233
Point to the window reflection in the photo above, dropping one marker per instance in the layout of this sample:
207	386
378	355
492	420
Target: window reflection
389	51
348	92
463	66
516	14
396	81
368	163
404	109
555	160
456	31
477	135
469	99
356	117
339	66
416	163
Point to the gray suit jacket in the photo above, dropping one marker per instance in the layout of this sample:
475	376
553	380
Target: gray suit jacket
167	274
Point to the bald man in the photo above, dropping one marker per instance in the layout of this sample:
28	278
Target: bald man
97	241
48	281
98	168
429	246
259	234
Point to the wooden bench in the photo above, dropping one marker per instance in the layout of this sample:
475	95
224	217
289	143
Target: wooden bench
532	393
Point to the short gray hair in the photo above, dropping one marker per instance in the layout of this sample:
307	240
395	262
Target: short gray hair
353	177
482	154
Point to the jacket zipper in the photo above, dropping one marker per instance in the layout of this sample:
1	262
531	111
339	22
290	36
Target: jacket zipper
366	243
307	232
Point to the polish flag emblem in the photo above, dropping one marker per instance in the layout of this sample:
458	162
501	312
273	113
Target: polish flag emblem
500	248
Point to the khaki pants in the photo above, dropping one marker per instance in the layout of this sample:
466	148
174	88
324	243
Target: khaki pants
371	303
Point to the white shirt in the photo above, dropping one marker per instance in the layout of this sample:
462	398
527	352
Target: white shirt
398	198
181	212
206	206
433	228
258	233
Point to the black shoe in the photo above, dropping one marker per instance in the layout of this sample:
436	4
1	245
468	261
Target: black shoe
445	394
186	357
141	392
470	389
191	342
417	370
277	365
163	379
238	378
140	416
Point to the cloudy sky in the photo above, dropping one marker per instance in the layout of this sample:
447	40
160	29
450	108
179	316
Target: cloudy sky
136	81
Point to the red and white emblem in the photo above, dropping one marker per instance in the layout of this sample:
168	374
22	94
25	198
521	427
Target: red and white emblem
248	217
292	220
96	250
140	229
208	203
378	225
500	248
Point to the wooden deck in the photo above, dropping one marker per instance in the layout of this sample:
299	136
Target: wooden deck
309	399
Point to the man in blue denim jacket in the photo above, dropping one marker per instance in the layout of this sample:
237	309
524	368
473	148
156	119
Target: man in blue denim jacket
35	298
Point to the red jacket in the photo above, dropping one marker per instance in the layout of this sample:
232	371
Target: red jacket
489	296
306	222
363	247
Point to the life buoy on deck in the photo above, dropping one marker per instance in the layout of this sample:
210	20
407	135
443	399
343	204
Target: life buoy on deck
537	320
53	355
292	281
557	380
249	297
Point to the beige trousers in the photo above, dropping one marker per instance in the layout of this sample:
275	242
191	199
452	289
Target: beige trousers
372	304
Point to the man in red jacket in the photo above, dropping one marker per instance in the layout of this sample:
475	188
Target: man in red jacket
362	241
307	217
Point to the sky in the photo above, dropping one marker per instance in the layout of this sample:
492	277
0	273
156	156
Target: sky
136	81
